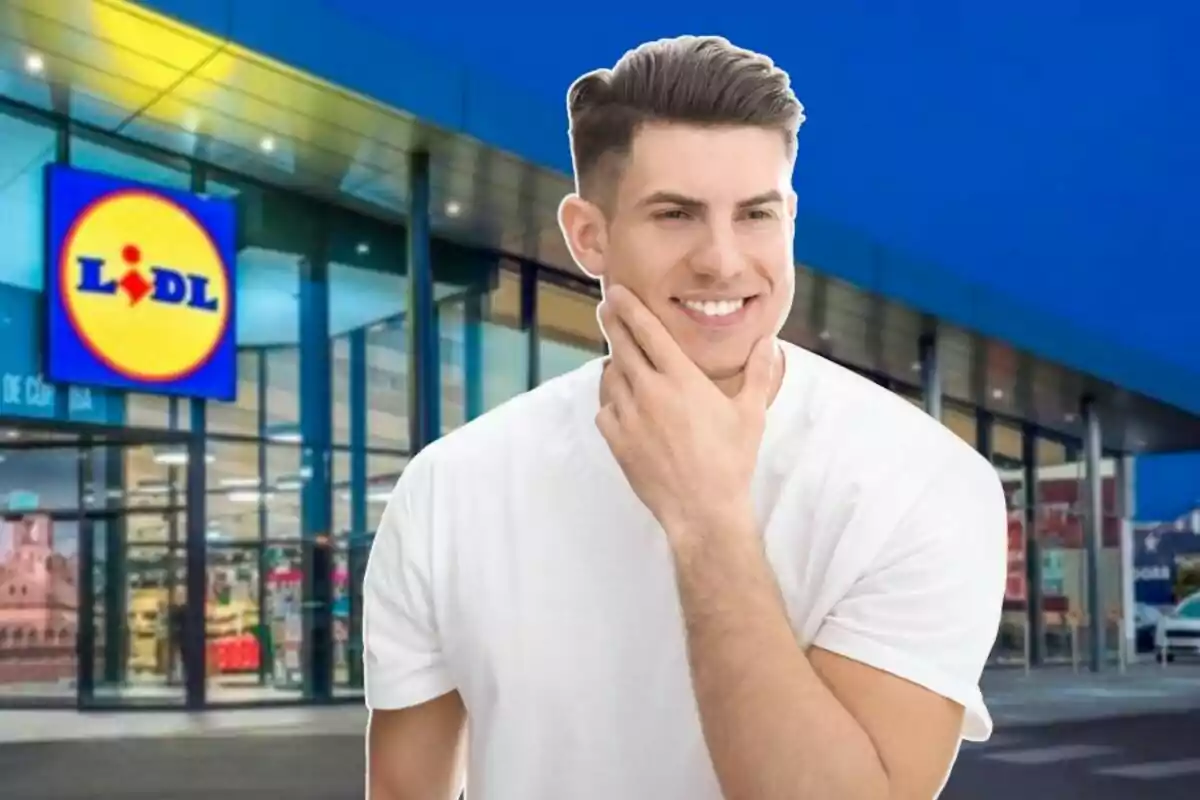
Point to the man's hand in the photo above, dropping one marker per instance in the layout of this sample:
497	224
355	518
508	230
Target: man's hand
687	449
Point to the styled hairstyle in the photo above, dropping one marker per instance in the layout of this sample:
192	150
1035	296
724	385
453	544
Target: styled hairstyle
696	80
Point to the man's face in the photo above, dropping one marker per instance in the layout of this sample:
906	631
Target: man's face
700	229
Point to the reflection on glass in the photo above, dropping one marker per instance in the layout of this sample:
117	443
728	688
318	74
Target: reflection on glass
569	333
39	606
28	147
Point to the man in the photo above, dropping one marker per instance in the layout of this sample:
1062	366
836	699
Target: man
712	565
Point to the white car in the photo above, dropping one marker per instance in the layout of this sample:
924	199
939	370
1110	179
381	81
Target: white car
1179	630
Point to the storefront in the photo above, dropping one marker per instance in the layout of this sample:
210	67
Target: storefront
210	384
246	496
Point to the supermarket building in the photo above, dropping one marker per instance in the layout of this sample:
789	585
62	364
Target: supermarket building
368	261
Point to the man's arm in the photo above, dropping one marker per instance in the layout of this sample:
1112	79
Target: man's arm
416	731
780	723
416	753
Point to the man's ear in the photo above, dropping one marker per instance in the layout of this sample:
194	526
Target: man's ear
583	227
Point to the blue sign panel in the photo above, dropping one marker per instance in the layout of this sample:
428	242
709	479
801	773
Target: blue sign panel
1157	556
24	390
139	287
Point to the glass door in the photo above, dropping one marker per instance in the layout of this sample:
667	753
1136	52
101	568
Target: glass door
39	567
134	619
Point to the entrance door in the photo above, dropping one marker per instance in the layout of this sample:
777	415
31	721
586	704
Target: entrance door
134	568
39	567
93	556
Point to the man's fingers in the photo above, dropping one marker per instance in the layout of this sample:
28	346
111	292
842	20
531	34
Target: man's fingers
652	337
759	375
625	349
616	390
609	426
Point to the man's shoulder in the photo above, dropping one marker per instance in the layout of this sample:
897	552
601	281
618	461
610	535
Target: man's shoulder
872	423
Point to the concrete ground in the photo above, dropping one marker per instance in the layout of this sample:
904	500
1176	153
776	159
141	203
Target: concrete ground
1146	756
1058	735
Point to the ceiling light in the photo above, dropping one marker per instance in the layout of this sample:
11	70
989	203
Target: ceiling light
35	64
453	208
363	248
825	336
916	366
267	145
1068	417
997	394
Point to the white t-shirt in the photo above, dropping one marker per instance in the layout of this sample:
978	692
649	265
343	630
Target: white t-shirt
514	564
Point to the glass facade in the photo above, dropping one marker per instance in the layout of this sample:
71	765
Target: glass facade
120	510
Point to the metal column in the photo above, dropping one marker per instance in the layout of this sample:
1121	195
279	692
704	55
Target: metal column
931	375
359	535
1034	601
1093	531
473	352
529	320
316	431
1126	508
194	634
424	395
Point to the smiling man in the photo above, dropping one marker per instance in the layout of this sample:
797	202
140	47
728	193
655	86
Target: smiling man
713	565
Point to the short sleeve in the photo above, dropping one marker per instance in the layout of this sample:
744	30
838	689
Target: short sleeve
928	607
402	654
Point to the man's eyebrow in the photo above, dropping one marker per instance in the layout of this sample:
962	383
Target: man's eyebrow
763	199
677	199
673	198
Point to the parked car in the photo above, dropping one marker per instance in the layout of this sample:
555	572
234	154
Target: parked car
1179	630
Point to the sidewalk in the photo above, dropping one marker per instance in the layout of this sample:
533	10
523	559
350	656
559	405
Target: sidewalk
1058	694
1045	696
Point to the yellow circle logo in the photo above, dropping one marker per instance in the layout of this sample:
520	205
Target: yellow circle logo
144	286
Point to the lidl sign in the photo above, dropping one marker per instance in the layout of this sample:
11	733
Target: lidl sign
139	287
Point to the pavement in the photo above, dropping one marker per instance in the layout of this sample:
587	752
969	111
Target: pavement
1130	758
1059	735
1149	756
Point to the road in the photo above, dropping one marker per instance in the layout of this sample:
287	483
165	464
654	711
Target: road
1045	763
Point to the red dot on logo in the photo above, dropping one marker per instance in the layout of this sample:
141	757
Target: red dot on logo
131	254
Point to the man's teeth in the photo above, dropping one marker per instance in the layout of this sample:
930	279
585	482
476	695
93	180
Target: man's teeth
714	308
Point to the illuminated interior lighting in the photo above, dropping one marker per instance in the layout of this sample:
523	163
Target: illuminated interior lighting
240	483
35	64
244	496
176	458
997	394
453	208
363	248
267	144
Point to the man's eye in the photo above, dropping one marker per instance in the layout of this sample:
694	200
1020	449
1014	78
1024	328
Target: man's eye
759	214
673	213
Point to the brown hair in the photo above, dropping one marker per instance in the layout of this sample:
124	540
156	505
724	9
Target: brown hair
698	80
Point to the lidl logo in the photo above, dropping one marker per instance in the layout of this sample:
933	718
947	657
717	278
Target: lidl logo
140	288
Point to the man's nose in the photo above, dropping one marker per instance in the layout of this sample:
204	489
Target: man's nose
720	254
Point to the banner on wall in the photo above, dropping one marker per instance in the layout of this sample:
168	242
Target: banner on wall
139	287
1161	564
1014	590
25	391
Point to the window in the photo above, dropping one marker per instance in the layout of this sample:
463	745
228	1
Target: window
27	149
1189	609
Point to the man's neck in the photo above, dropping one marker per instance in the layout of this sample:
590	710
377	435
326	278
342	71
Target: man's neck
732	384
